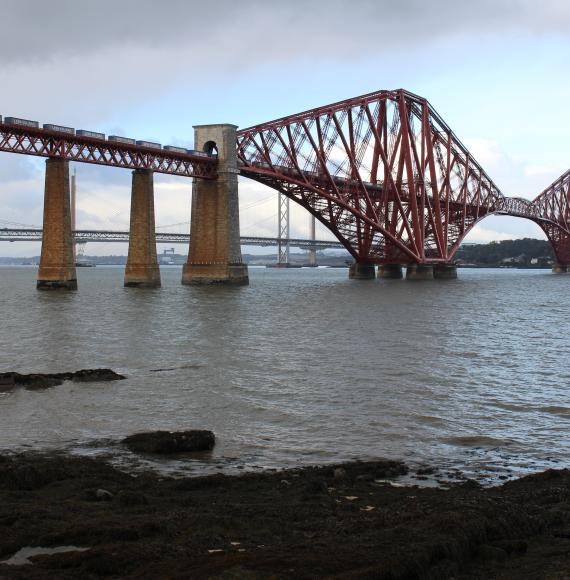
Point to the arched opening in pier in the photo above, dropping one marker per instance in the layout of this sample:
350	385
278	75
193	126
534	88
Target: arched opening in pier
211	148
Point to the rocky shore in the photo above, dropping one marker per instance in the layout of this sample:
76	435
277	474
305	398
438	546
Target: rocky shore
345	521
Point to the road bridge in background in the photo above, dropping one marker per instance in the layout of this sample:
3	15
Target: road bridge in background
84	236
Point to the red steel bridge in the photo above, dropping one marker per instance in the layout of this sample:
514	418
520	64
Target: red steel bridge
383	172
390	179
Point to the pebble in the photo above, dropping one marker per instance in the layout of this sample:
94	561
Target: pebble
339	473
103	495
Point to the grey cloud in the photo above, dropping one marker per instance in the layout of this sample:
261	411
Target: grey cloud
254	29
78	62
18	168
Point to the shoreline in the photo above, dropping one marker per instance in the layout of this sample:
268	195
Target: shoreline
351	520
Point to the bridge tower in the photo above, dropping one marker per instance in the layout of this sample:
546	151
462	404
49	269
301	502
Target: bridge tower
57	263
215	252
74	211
312	249
283	231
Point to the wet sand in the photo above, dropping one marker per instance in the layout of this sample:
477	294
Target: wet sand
349	521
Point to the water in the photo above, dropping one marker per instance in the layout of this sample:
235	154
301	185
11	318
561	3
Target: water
303	366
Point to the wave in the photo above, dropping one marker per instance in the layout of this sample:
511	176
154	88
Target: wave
478	441
556	410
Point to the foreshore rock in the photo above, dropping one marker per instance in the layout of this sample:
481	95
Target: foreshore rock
167	442
11	380
256	527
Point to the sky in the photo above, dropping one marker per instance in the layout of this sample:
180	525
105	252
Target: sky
495	70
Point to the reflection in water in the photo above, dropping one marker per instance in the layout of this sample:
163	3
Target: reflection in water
302	366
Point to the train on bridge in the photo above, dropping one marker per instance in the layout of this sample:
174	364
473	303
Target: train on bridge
51	128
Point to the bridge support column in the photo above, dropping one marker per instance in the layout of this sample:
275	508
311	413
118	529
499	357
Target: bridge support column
358	271
419	272
560	268
390	271
215	251
142	263
445	272
57	265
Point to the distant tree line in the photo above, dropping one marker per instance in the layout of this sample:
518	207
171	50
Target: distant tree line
527	252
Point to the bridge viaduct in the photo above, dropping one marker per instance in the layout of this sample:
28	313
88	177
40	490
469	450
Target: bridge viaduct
382	171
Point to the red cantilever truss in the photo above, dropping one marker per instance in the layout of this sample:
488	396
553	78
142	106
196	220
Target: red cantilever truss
552	207
385	174
46	143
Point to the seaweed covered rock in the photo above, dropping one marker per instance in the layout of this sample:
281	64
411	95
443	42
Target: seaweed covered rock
10	380
166	442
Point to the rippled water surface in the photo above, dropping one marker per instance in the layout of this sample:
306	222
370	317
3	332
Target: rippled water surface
302	366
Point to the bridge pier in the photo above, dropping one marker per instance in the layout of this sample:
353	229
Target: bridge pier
560	268
142	263
445	272
57	264
214	256
419	272
390	271
359	271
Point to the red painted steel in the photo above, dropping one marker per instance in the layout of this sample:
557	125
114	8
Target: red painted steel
45	143
389	178
553	207
382	171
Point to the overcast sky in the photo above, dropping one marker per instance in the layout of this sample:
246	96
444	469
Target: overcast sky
496	71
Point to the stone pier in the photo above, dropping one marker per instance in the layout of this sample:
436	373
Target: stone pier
215	251
390	271
142	264
445	272
560	269
419	272
57	264
358	271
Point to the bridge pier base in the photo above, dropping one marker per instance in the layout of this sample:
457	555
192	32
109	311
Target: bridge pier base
560	269
358	271
57	263
214	256
390	271
445	272
419	272
142	263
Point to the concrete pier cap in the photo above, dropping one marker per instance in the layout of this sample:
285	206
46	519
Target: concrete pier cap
419	272
445	271
361	271
214	256
560	268
390	271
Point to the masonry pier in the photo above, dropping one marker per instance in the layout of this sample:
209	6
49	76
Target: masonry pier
390	271
215	252
419	272
560	268
358	271
57	264
445	272
142	263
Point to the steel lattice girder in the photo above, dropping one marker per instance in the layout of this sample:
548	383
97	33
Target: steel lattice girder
44	143
386	175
